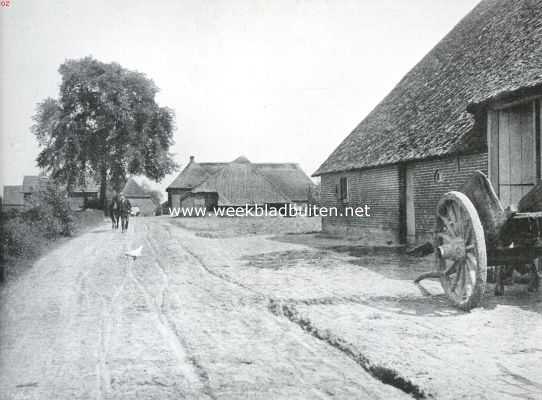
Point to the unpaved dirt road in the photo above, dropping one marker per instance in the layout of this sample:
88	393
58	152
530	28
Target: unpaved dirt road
86	322
363	302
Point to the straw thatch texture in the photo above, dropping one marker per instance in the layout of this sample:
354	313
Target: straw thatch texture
289	178
495	51
194	174
239	183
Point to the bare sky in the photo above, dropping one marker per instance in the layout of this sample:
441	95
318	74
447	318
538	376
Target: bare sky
275	80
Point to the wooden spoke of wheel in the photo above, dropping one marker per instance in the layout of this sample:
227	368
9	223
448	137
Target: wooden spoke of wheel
451	269
463	270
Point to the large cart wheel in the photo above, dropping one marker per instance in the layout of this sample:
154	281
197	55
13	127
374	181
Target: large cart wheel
460	250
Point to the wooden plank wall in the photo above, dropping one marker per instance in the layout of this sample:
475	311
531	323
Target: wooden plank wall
512	144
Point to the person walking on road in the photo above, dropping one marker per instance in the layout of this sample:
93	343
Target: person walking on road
114	212
124	210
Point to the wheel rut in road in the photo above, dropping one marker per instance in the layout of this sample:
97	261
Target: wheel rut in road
286	308
385	375
167	328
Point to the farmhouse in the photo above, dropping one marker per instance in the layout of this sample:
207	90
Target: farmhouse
239	183
472	103
139	197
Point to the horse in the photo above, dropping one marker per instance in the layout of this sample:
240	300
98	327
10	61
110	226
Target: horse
114	213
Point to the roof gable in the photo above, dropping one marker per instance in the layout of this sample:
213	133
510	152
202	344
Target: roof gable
495	49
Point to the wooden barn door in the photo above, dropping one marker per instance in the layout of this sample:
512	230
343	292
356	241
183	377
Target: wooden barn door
409	200
408	217
514	151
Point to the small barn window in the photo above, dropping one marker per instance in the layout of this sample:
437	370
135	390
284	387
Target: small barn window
343	189
438	177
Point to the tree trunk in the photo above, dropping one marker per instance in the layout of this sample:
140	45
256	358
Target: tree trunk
103	189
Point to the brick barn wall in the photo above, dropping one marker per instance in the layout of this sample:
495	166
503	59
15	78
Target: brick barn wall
454	171
379	189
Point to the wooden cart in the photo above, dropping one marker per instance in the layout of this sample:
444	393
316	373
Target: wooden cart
474	231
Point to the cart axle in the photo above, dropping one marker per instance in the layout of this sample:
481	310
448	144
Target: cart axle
455	249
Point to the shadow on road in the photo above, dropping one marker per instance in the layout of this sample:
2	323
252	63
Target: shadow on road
393	263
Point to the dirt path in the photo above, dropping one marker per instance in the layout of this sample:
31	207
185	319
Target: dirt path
364	303
88	323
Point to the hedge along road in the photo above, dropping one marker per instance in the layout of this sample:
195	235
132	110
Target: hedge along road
87	322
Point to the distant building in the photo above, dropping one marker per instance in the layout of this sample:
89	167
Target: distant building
138	197
191	176
13	197
239	183
80	195
27	194
32	185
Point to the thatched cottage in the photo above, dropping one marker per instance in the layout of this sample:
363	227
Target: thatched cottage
239	183
473	102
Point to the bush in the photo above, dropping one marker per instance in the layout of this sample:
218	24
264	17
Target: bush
26	232
94	204
53	212
21	238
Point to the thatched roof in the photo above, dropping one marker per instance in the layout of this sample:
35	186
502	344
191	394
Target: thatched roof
289	178
133	189
194	174
13	195
495	51
241	160
239	183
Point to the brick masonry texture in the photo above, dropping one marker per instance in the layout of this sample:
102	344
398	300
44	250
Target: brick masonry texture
381	189
454	171
378	188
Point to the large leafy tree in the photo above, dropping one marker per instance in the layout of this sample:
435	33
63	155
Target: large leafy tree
105	125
